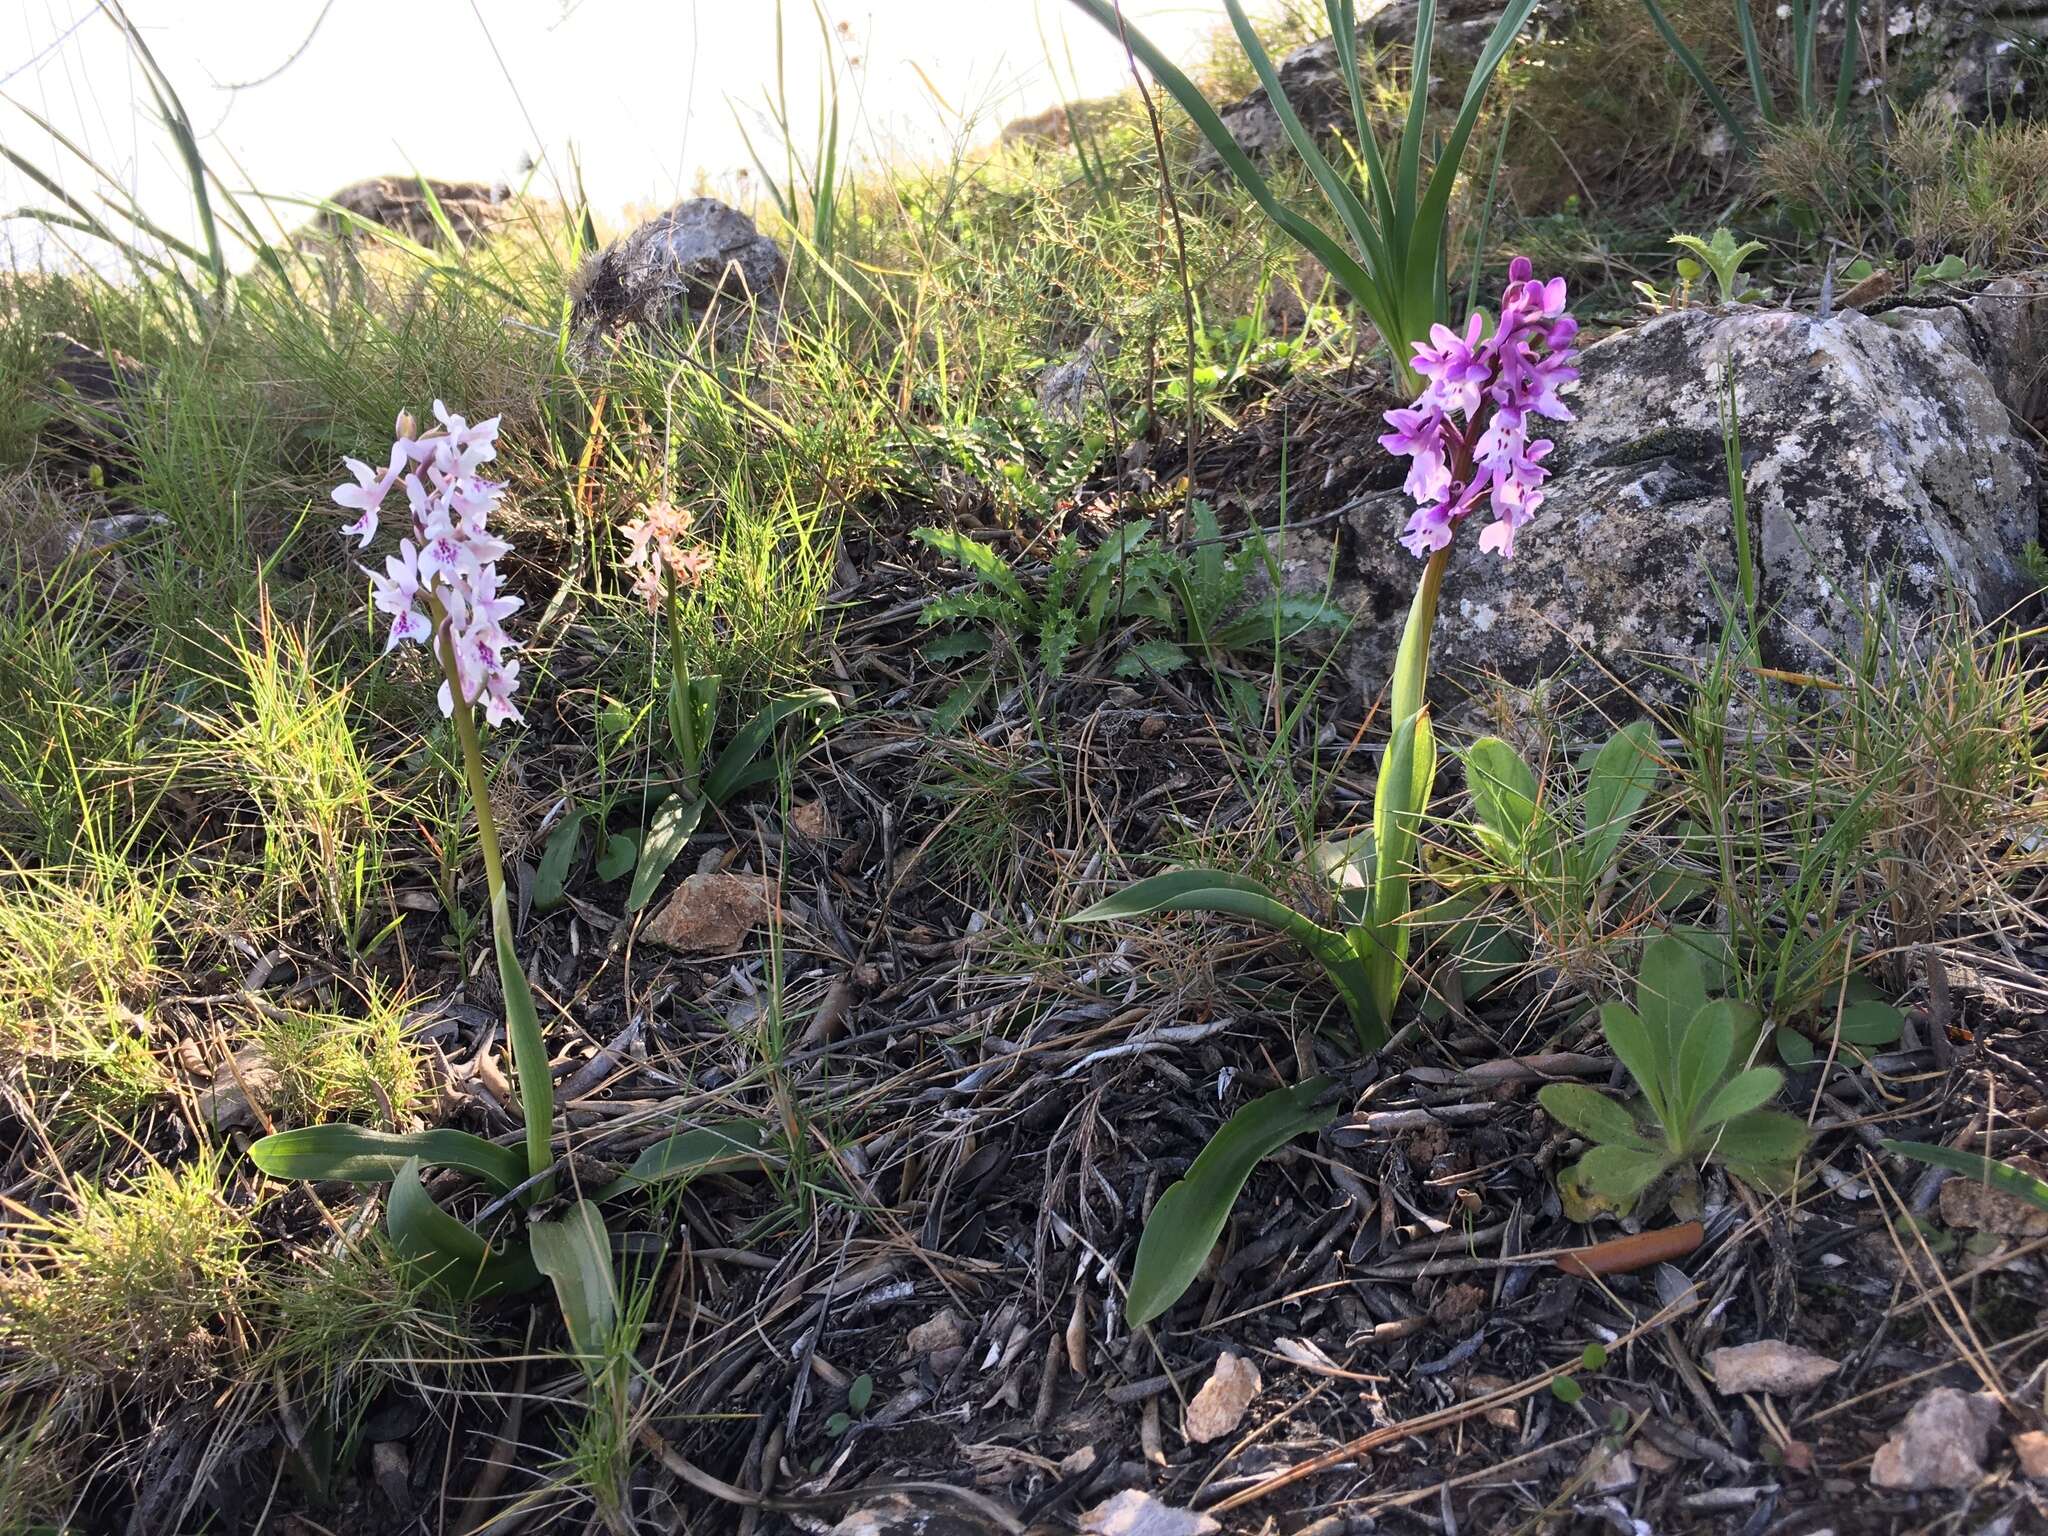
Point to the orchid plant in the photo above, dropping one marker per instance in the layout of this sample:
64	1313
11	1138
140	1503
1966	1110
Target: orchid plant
1467	436
442	589
665	563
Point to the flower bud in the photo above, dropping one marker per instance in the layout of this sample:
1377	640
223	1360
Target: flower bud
406	426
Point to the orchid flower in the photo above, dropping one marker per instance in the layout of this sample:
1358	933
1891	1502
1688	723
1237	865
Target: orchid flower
449	563
1495	384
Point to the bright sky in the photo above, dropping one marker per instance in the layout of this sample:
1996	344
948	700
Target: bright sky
645	91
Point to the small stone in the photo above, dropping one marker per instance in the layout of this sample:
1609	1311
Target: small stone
813	819
241	1092
1074	1463
393	1470
1459	1304
1768	1365
1506	1416
1980	1208
1939	1444
1219	1407
1136	1513
1612	1470
940	1332
711	914
2031	1446
1651	1459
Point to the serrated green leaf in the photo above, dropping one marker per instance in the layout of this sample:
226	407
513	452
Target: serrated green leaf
977	557
1591	1114
953	708
363	1156
955	647
575	1252
1150	656
1281	615
667	836
1189	1217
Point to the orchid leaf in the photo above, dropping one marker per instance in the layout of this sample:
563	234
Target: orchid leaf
2001	1176
551	878
1189	1217
687	1154
575	1252
737	768
1622	776
675	822
442	1252
362	1156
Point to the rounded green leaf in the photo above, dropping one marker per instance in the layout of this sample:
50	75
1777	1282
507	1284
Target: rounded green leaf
1762	1146
1742	1093
1619	1174
1591	1114
1872	1024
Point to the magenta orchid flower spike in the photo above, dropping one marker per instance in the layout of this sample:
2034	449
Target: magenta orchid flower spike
443	583
1492	386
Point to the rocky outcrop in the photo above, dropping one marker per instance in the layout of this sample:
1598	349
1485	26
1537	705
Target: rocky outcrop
701	263
1881	459
1973	56
398	203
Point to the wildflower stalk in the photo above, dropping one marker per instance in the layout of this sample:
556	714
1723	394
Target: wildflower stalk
522	1024
682	716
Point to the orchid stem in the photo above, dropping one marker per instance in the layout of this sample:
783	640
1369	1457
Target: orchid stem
522	1028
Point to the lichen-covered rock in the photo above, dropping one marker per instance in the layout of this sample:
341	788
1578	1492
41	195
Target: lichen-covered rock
701	259
1880	458
1971	55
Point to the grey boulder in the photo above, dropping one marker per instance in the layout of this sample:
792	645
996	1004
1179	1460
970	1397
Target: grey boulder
701	264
